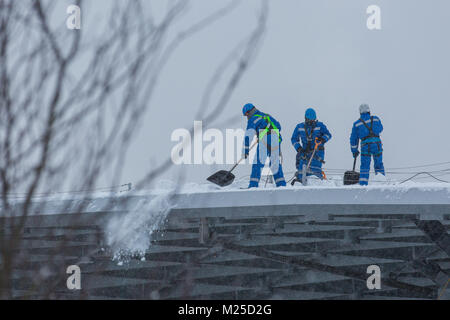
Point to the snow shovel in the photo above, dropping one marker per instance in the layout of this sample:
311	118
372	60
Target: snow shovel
351	177
224	178
305	168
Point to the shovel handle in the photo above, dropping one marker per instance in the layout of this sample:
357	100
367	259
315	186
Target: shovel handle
317	144
354	163
240	160
234	167
254	144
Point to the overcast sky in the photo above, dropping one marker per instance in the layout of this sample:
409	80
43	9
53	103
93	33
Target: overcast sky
315	53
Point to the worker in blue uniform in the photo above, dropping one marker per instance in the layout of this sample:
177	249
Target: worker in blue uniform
367	129
267	130
304	139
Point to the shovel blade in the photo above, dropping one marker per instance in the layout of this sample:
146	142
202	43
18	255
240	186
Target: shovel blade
351	177
222	178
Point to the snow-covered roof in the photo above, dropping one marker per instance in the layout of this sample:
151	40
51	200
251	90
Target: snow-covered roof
427	200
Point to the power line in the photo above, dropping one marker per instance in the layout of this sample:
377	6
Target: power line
423	173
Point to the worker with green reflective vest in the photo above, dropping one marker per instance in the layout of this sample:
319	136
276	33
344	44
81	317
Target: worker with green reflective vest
267	131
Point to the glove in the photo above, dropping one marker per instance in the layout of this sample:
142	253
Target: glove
356	154
321	140
246	155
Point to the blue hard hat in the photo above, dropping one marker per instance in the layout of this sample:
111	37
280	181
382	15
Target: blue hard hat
247	108
310	114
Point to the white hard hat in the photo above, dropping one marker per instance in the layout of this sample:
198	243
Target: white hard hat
364	108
